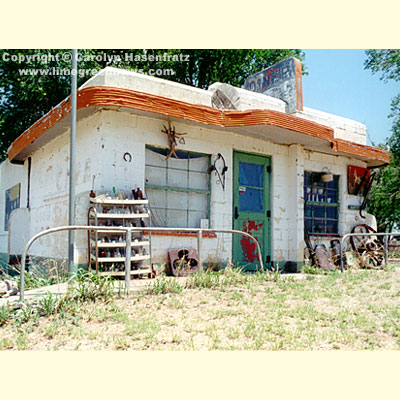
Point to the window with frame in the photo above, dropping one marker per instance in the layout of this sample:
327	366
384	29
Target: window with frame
321	204
178	189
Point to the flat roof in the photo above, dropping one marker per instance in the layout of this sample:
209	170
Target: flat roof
248	122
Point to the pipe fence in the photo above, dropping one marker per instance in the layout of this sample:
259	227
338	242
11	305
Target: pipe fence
128	243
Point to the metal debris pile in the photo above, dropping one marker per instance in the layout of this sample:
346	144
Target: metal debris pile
364	251
369	250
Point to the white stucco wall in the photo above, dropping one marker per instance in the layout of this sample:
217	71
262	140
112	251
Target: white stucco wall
10	175
50	187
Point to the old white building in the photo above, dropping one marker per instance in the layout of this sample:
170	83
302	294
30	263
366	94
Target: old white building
274	161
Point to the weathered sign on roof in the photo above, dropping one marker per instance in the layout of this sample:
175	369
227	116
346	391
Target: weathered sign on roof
282	81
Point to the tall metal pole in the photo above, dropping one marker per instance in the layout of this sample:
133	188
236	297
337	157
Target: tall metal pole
199	247
72	150
128	252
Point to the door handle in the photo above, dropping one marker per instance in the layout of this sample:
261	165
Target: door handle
236	213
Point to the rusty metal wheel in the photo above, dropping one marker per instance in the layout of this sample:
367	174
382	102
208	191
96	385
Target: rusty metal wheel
361	243
370	249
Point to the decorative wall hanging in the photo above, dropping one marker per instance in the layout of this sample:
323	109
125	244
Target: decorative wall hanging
172	139
223	169
358	179
128	157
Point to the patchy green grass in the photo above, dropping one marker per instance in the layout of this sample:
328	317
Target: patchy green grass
41	273
217	310
162	285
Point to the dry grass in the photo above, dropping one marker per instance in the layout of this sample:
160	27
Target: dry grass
232	311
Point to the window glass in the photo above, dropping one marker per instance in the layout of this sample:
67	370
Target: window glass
319	211
177	189
251	174
251	199
198	180
156	175
319	226
321	203
331	196
331	212
177	178
200	163
177	218
198	202
331	226
178	163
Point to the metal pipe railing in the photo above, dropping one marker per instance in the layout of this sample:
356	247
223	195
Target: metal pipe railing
386	234
129	231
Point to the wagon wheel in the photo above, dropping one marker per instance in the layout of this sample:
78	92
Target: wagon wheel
361	243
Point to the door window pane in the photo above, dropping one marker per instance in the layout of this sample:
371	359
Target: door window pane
251	174
251	200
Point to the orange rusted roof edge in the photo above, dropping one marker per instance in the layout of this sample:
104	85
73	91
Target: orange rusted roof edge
120	97
373	153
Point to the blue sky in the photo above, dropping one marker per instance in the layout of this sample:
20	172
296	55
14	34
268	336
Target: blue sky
337	83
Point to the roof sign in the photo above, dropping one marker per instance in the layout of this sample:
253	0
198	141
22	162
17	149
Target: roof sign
282	81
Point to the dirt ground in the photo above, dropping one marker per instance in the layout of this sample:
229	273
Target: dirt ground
356	310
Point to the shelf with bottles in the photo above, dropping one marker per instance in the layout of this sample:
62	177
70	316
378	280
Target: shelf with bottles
111	238
110	201
115	259
110	221
122	273
117	253
102	243
110	248
118	197
119	209
117	268
123	215
316	191
106	248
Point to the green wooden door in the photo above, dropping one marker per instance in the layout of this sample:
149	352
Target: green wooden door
251	209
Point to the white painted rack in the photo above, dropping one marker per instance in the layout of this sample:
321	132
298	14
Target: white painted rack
106	247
